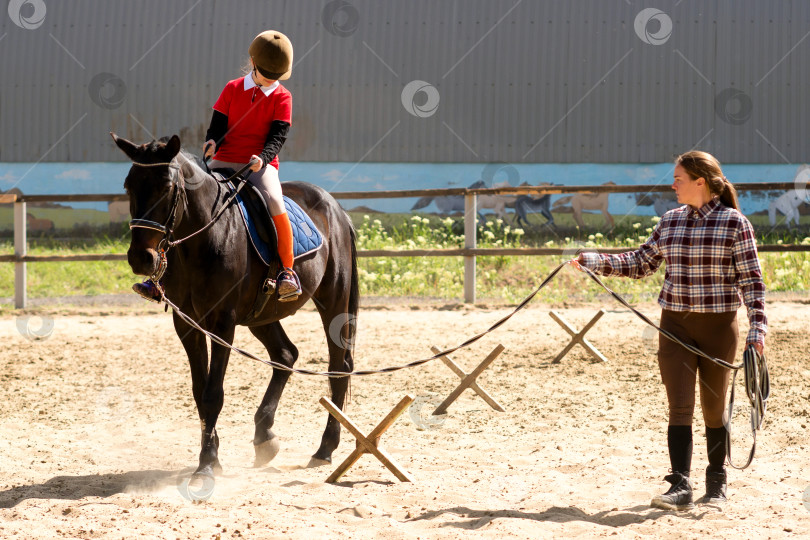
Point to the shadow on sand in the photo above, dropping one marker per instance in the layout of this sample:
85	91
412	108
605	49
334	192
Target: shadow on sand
72	488
476	518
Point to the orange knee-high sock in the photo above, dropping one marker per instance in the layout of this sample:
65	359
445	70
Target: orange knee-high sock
285	239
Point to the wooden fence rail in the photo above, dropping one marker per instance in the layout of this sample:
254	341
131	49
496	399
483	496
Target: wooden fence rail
470	250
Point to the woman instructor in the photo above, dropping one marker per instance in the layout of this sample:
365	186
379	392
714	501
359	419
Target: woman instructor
711	263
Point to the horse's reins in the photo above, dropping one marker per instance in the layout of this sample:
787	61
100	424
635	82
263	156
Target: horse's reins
754	365
167	229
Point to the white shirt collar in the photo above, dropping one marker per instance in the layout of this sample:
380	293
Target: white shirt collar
266	90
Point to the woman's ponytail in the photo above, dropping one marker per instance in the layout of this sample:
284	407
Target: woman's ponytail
728	195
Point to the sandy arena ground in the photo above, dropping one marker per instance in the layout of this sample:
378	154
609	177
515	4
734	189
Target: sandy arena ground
99	432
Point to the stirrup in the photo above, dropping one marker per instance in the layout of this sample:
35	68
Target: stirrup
288	285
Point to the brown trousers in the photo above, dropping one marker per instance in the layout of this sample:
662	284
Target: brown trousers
715	334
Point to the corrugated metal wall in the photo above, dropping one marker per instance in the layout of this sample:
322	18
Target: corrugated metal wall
516	80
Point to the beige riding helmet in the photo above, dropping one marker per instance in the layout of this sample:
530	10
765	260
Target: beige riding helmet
272	53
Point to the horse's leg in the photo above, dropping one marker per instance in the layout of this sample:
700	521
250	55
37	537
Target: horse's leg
337	304
608	218
549	217
340	359
282	351
197	350
793	216
211	404
576	206
516	216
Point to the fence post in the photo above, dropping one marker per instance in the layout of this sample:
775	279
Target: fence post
470	242
20	249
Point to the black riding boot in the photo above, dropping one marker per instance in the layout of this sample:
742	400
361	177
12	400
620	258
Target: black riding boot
716	479
679	495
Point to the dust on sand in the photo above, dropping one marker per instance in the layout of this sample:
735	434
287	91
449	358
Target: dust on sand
99	432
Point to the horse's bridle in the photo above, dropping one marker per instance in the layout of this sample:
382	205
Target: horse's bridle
166	229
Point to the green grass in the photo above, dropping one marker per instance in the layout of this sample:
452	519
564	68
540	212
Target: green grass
501	278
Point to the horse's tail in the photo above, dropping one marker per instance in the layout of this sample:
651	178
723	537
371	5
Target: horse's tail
354	307
354	291
421	203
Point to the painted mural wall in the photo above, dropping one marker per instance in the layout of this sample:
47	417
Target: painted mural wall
108	178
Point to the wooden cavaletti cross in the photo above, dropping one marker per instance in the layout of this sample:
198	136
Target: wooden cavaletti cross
578	337
468	380
368	444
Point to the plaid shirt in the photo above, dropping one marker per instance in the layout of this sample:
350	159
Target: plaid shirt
711	258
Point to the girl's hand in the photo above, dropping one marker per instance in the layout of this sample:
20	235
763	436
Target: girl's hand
759	348
577	262
208	148
256	163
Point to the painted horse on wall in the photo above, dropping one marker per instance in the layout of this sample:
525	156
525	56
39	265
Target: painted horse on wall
588	201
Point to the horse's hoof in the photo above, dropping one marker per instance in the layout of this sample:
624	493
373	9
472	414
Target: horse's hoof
266	451
211	470
318	462
200	486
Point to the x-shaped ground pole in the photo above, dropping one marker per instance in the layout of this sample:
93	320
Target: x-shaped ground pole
578	337
468	380
368	444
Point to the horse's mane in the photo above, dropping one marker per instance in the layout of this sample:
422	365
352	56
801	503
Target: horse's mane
194	160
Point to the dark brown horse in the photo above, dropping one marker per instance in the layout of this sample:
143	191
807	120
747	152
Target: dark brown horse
215	277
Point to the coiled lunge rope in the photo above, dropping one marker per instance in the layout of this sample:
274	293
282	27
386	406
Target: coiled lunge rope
754	365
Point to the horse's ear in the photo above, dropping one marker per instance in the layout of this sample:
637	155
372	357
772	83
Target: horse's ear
129	148
173	146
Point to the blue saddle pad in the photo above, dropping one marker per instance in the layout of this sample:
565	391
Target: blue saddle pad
306	236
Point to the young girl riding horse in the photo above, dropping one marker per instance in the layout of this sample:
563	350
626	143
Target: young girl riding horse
711	257
250	122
